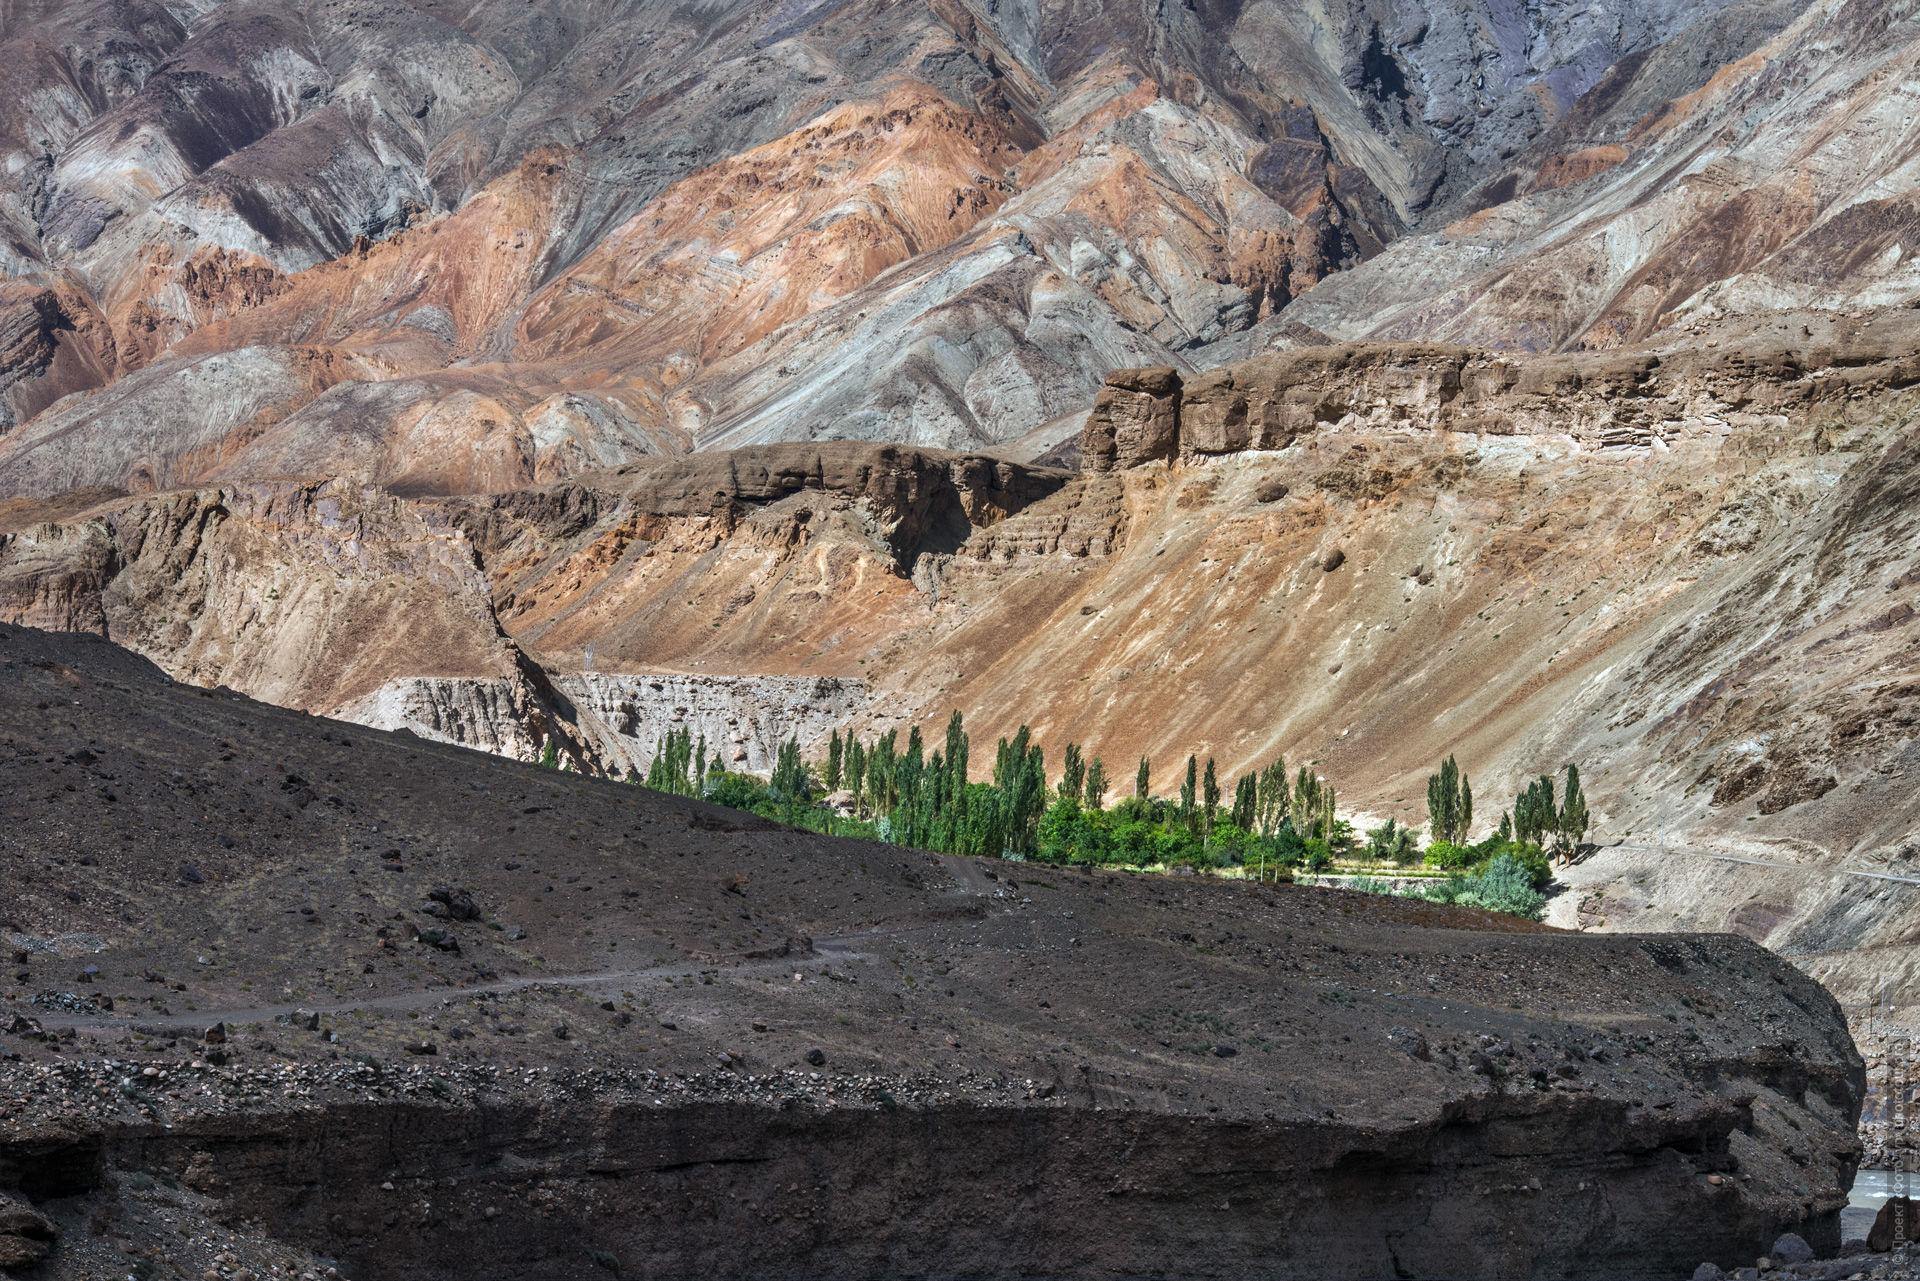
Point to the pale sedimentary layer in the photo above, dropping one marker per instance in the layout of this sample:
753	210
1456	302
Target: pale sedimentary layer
623	717
1646	398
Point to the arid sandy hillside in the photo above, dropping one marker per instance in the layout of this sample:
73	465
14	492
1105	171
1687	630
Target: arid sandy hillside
1687	570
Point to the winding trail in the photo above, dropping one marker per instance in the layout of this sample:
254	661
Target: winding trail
972	882
843	947
1761	862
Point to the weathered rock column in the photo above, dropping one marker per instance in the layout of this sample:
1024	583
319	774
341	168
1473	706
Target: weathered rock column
1135	419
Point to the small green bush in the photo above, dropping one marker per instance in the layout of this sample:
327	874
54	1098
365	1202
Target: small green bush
735	791
1233	846
1505	885
1447	856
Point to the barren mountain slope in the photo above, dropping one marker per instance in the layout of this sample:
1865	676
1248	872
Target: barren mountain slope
1784	182
318	594
530	240
475	1017
1688	571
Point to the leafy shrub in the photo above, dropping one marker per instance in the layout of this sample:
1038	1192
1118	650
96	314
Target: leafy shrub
1058	838
1450	857
1392	843
1534	859
1196	856
1173	847
1231	845
735	791
1505	885
1132	841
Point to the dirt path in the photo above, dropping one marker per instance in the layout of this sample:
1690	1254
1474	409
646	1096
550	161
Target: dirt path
1761	862
844	947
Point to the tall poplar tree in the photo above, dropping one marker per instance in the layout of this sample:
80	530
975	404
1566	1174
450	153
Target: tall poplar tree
1189	810
1097	784
1276	797
1073	773
1210	798
1574	819
1305	808
1246	802
1449	804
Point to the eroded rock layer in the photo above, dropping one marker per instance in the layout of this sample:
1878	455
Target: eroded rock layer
621	719
1370	555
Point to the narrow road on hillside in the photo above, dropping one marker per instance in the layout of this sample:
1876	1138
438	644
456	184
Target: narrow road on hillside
1761	862
972	881
843	947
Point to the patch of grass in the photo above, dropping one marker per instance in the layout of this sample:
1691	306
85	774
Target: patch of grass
1191	1031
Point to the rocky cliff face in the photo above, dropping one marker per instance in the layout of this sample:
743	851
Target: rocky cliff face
1652	397
293	590
860	1187
620	719
296	591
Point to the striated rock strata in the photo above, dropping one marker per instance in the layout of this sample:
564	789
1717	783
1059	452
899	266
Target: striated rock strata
1600	400
622	718
480	250
772	1182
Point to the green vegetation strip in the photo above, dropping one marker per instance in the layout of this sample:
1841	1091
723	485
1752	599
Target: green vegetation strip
1273	827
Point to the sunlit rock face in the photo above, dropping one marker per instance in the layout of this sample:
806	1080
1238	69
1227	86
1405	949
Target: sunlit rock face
469	253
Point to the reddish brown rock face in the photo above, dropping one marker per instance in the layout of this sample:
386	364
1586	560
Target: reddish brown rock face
1531	388
1135	419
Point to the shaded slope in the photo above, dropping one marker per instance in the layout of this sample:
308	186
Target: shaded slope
969	1018
1773	188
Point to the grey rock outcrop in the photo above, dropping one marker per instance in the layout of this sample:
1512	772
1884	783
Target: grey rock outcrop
619	719
25	1235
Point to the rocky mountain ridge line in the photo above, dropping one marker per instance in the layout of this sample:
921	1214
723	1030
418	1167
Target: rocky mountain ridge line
1602	400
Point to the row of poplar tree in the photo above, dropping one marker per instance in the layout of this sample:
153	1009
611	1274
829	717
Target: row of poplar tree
922	795
1536	820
